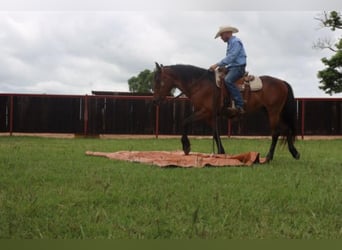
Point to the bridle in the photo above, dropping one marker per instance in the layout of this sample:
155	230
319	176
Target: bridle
197	81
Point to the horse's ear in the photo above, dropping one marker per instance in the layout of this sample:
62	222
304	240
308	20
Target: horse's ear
158	66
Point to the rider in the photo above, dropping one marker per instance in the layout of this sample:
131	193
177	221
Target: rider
235	61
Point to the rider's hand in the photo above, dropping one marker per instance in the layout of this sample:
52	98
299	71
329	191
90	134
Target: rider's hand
213	67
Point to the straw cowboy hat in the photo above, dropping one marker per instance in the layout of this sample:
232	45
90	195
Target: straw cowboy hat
226	29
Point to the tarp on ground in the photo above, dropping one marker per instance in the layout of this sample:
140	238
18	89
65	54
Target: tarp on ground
178	159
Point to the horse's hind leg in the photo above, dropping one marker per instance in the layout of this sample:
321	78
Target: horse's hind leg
292	148
218	141
273	115
270	153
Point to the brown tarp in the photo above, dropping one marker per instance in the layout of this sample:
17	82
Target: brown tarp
178	159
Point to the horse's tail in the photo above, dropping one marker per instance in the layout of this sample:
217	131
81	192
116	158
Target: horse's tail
289	114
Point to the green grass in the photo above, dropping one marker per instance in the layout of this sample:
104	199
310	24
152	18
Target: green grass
49	189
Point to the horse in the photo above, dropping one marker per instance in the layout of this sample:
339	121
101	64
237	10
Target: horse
198	84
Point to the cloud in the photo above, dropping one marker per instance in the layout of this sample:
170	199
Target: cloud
113	5
75	52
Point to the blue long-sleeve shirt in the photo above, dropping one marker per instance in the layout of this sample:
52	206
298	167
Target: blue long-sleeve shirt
235	55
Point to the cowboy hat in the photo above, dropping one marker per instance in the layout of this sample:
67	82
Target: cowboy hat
226	29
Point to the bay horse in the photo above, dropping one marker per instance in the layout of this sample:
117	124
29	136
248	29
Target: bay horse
276	97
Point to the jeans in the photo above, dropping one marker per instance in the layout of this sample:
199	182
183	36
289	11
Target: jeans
234	74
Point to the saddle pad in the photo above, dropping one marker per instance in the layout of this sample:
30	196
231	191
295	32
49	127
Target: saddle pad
255	84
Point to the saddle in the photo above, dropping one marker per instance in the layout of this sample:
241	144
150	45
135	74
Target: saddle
251	81
246	84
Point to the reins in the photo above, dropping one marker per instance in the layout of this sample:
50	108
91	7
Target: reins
215	109
198	80
216	117
215	102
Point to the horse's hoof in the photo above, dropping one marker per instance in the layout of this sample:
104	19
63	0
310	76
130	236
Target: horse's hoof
269	158
186	150
297	156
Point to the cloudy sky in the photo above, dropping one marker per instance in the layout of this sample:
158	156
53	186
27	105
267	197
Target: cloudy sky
74	50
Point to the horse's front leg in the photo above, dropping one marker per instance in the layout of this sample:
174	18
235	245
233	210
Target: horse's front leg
186	144
197	116
220	149
185	140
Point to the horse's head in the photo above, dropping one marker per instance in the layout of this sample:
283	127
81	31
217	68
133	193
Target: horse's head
162	83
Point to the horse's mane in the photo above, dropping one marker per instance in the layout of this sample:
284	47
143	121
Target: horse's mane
189	72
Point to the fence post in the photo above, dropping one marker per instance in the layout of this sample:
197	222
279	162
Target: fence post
229	128
157	121
302	119
85	115
11	115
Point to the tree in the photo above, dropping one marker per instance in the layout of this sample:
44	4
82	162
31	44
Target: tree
141	83
331	76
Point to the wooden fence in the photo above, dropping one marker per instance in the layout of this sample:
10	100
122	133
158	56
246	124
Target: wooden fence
109	114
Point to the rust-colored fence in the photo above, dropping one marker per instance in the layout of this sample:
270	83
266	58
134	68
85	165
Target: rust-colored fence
107	114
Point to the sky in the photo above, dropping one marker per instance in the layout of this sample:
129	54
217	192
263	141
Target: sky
75	49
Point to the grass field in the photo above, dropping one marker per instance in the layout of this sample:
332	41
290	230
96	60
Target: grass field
49	189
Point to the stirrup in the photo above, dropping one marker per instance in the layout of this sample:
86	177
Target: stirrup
235	111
